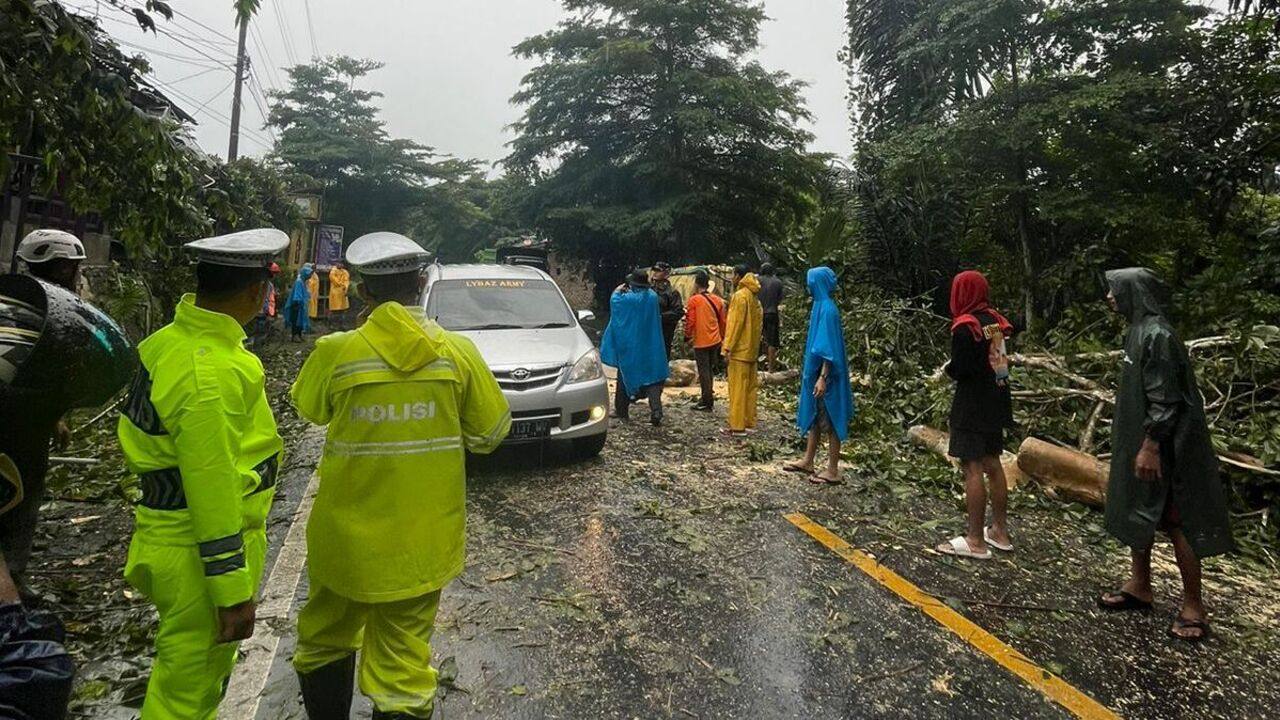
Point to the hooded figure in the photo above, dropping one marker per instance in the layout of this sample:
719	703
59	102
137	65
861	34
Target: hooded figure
403	402
297	306
825	344
313	295
742	349
1160	399
633	340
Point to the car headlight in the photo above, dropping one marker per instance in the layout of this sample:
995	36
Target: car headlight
587	368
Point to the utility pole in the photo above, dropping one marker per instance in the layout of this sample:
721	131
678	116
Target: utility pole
233	149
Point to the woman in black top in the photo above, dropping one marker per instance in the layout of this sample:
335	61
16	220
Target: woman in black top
980	412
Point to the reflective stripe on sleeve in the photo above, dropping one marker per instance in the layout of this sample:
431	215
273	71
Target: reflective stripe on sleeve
493	435
221	546
214	568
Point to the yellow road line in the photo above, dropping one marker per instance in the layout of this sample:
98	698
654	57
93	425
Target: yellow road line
1053	687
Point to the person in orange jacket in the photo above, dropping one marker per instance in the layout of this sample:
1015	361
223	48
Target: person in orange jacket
704	326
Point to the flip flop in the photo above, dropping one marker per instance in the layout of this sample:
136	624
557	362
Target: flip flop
1181	623
1127	601
733	433
818	479
793	467
1003	547
959	547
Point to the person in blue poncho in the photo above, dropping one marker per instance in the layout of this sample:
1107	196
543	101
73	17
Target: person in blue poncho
296	314
633	344
826	397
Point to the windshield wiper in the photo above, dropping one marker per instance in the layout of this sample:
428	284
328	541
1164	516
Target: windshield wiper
551	325
491	326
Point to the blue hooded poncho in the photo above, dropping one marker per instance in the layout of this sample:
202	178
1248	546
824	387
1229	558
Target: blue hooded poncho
633	340
825	344
295	308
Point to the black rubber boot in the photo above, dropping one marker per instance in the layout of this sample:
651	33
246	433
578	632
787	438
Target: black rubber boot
327	691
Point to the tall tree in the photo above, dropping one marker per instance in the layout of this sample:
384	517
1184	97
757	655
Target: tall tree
647	132
1020	133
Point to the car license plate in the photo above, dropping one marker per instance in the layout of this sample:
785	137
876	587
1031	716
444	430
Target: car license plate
529	429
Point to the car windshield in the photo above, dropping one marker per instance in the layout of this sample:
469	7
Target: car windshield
497	305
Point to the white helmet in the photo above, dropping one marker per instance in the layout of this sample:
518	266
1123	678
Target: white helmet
42	245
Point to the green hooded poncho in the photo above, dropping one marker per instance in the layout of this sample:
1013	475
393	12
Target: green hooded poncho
1159	397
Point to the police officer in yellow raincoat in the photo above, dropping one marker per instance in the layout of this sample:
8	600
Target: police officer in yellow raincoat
403	400
199	433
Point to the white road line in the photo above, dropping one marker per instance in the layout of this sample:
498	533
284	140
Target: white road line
259	652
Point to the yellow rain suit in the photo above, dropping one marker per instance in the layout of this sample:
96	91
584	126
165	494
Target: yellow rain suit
313	289
403	399
742	348
198	432
339	283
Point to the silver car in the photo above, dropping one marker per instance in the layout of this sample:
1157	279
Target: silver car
534	344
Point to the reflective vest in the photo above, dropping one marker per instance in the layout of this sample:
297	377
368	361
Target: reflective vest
403	400
199	434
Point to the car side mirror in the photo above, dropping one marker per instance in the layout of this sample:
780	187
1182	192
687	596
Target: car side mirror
586	316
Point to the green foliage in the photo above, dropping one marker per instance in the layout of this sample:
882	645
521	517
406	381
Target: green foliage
646	132
1046	141
71	97
67	95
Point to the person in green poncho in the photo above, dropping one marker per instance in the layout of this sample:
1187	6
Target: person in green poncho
1164	473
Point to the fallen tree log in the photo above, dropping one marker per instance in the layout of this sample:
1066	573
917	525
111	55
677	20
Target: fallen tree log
1070	473
782	377
936	441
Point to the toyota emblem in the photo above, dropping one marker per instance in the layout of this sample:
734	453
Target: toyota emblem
520	374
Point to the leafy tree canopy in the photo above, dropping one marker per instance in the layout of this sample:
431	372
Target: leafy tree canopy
646	132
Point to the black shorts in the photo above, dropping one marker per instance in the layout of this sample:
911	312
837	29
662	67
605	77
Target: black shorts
974	445
772	330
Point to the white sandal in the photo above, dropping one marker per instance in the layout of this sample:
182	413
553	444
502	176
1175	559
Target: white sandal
1003	547
959	547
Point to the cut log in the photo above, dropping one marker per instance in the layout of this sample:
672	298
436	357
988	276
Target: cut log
682	373
782	377
937	441
1071	473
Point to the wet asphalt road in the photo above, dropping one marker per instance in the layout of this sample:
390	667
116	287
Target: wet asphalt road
661	580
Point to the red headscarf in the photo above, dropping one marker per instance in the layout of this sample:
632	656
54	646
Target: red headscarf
969	291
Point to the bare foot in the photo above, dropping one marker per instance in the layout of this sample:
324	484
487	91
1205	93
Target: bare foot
826	477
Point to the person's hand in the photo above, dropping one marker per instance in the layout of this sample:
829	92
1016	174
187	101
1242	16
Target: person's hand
61	435
1147	465
236	623
820	387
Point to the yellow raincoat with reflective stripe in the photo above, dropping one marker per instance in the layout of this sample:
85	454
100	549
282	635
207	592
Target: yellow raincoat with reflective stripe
403	399
199	433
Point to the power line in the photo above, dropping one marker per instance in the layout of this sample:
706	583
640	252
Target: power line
284	33
184	78
212	114
255	91
311	30
255	34
230	40
195	61
217	95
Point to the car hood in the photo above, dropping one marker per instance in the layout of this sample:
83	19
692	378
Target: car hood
530	348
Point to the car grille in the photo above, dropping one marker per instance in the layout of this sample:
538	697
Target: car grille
522	379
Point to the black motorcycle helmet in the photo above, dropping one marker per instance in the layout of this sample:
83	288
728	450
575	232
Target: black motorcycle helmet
79	357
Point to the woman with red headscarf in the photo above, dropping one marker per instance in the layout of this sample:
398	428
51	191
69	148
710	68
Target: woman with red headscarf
980	411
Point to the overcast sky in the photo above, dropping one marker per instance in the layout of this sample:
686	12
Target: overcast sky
449	72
